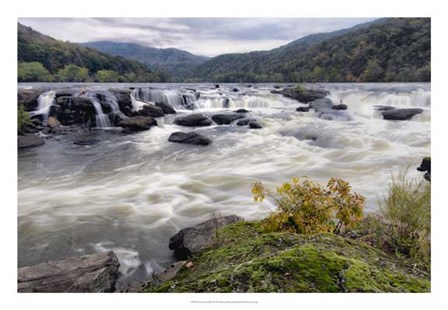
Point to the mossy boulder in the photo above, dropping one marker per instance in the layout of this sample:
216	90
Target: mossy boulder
245	259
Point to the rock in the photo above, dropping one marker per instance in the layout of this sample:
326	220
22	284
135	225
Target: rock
86	141
426	166
150	110
277	86
383	108
89	273
241	111
124	100
53	122
74	110
27	141
334	115
170	272
166	108
189	138
28	97
193	120
225	119
254	125
301	94
216	85
137	123
243	122
194	239
339	107
401	114
321	104
66	92
235	90
303	109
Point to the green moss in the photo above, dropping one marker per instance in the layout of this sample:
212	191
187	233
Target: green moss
247	260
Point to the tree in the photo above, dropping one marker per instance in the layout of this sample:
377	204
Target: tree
373	72
33	72
73	73
106	76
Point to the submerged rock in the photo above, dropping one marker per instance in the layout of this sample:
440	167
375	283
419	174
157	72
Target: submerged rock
137	123
87	141
245	258
401	114
89	273
193	120
166	108
225	119
191	240
189	138
27	141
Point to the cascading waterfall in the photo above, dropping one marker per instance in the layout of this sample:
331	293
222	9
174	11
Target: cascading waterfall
44	101
136	104
175	98
102	120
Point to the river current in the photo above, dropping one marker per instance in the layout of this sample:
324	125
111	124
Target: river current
131	192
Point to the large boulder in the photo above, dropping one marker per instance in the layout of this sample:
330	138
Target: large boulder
150	110
426	166
195	239
166	108
88	273
302	94
225	119
53	122
27	141
401	114
193	120
74	111
137	123
189	138
28	97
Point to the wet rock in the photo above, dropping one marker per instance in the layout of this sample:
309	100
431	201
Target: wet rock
74	110
225	119
53	122
28	97
301	94
88	273
86	141
254	125
339	107
66	92
243	122
235	90
166	108
321	104
241	111
124	100
426	166
194	239
150	110
27	141
193	120
401	114
189	138
137	123
303	109
216	85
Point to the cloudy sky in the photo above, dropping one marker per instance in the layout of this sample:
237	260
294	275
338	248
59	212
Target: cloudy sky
201	36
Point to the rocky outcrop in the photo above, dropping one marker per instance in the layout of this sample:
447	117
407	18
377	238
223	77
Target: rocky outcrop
149	110
401	114
124	100
226	119
28	97
88	273
302	94
27	141
193	120
194	239
137	123
74	110
166	108
189	138
426	166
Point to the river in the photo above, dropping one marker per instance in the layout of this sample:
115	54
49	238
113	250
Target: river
131	192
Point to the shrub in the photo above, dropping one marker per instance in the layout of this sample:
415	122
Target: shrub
305	207
407	210
23	118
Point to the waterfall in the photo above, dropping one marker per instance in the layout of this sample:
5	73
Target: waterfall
102	120
136	104
44	103
175	98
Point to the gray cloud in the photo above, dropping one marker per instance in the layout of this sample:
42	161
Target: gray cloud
203	36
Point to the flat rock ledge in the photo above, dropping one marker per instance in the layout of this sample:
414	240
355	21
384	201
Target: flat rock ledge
194	239
94	273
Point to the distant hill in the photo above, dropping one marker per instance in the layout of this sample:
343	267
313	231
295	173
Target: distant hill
55	55
392	49
176	62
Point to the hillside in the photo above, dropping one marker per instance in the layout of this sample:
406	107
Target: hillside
41	53
178	63
389	50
